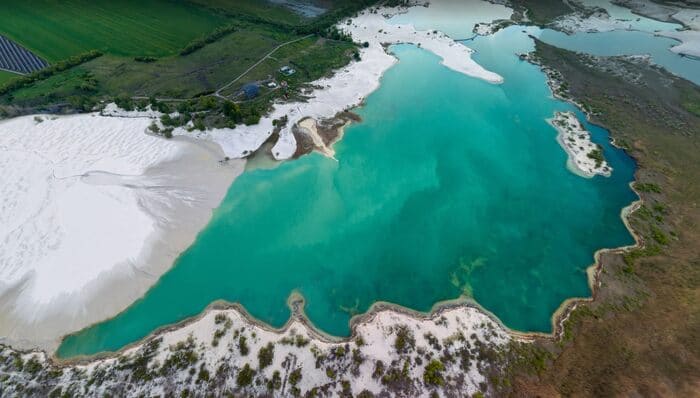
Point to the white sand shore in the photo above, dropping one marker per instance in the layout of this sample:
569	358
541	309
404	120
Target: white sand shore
576	141
213	342
348	87
94	210
690	42
649	17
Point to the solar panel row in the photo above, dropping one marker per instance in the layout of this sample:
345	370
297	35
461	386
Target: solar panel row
16	58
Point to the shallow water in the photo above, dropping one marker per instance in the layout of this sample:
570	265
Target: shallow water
457	19
622	42
450	186
632	20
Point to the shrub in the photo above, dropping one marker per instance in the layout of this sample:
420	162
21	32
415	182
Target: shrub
295	377
404	340
433	373
266	355
647	187
217	34
245	376
243	346
145	59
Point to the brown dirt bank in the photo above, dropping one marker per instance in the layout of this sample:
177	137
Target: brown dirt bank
640	335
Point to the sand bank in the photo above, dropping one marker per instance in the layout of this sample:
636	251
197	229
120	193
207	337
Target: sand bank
576	141
94	210
349	86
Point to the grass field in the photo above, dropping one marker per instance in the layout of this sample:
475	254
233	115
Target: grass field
253	8
5	76
200	72
56	30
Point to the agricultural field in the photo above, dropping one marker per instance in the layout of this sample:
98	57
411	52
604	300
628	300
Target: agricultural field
233	45
253	9
57	30
199	73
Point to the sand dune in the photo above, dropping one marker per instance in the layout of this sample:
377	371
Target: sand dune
94	210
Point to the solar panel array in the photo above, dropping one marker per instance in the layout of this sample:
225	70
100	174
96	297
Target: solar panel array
16	58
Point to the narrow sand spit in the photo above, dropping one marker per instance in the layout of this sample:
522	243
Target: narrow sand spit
348	87
94	210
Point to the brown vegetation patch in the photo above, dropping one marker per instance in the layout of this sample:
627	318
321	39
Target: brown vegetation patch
641	333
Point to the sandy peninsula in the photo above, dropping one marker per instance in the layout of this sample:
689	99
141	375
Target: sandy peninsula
94	210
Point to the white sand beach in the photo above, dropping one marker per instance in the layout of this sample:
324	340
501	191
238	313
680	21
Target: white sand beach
94	210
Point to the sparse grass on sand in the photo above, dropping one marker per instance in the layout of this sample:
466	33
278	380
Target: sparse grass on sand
56	30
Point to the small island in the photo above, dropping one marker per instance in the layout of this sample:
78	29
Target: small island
585	157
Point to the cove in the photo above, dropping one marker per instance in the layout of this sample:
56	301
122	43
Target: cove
449	186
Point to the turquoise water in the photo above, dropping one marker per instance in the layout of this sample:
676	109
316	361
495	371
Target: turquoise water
450	186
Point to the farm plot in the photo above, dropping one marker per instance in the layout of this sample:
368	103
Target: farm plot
55	30
16	58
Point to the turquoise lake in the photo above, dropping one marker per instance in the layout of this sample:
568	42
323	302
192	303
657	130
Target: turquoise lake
449	186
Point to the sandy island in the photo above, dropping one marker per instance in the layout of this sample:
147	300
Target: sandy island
585	157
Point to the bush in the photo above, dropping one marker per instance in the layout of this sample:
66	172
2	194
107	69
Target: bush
647	187
295	377
266	355
433	373
404	340
243	346
124	102
245	376
217	34
145	59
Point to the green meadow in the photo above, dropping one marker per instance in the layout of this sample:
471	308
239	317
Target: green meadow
200	72
56	30
6	76
255	9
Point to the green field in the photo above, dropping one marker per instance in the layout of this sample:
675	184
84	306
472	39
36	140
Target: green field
253	8
5	76
148	61
200	72
56	30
